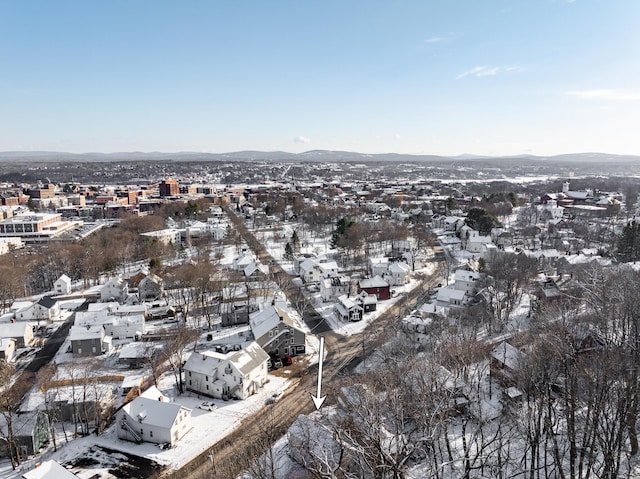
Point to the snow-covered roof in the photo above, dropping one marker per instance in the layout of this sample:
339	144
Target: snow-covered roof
133	350
205	362
49	470
267	318
308	264
153	412
12	330
375	282
346	302
464	275
80	333
154	393
507	355
448	293
399	267
249	358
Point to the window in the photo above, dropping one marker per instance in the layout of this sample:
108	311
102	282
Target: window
271	334
150	433
206	378
189	373
207	387
141	432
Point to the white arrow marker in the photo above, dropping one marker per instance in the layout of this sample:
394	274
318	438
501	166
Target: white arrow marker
319	399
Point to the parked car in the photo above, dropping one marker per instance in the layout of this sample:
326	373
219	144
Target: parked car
275	397
207	406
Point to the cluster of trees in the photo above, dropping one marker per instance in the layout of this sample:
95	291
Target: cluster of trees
434	408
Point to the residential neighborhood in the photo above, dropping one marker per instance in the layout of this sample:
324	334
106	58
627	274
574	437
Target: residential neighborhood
214	299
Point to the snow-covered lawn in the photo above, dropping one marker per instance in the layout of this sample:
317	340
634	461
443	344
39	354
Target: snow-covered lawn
208	428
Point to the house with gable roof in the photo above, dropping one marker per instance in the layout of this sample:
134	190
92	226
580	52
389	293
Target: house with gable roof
62	285
347	309
334	285
237	374
49	470
150	288
377	286
506	362
152	418
45	309
275	331
21	331
115	289
398	273
7	349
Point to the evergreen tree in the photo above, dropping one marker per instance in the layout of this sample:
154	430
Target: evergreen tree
288	251
340	232
481	220
295	241
629	243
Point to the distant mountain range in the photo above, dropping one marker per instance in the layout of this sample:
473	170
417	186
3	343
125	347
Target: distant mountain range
312	156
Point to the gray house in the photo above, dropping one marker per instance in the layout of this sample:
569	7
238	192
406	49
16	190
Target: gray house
275	331
150	288
30	432
89	340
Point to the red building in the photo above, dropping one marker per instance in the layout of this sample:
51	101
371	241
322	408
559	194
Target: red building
377	286
169	188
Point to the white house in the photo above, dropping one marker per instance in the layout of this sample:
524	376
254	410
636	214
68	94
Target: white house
397	273
242	261
334	285
150	288
45	309
21	331
62	285
129	326
347	310
115	289
310	271
238	374
166	236
152	418
49	470
7	349
466	281
473	241
378	266
451	296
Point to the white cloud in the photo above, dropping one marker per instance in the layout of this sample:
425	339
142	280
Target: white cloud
397	136
301	139
440	38
484	71
604	94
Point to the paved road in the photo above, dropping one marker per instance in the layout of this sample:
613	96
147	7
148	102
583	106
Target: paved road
236	453
314	321
51	346
255	435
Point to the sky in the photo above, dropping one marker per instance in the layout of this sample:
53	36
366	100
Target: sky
444	77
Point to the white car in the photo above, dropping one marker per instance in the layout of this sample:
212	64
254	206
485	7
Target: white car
207	406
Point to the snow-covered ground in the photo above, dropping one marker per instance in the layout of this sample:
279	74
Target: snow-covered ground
208	428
